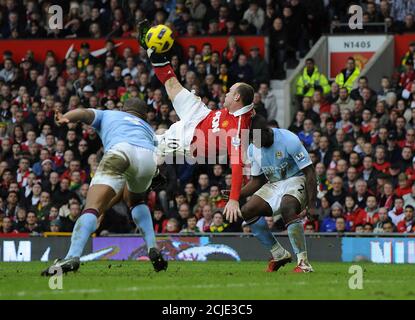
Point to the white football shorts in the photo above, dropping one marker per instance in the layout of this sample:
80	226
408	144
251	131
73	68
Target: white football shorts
191	111
126	163
272	193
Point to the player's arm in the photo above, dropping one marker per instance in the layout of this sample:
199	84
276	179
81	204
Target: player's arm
173	87
78	115
311	187
232	210
253	185
304	163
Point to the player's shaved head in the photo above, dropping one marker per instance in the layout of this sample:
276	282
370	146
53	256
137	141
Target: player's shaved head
136	106
260	134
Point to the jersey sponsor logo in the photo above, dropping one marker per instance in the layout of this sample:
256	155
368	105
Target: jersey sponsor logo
300	156
225	123
215	122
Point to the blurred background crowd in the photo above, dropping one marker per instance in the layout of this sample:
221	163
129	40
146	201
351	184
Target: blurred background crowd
362	141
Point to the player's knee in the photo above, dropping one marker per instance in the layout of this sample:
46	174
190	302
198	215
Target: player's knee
290	208
289	214
244	211
248	212
135	200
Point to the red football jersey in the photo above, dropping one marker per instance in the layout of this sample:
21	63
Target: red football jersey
223	133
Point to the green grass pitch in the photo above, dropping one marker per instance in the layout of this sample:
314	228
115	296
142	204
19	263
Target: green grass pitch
206	280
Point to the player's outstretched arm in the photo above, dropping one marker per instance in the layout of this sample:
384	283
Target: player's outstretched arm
253	185
173	87
79	115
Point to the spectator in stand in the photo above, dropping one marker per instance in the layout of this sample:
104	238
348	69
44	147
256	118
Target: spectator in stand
218	224
259	67
231	52
380	164
337	193
306	135
403	187
68	223
298	122
205	222
159	220
341	225
191	226
172	226
352	212
329	223
348	75
362	193
7	226
397	212
255	15
241	71
278	45
345	101
407	224
311	79
32	225
409	198
269	100
382	219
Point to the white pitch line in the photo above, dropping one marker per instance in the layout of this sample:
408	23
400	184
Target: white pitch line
135	288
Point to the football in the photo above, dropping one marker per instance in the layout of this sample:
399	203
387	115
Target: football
159	38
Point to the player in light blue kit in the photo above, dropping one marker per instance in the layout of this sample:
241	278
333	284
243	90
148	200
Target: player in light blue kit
283	183
128	166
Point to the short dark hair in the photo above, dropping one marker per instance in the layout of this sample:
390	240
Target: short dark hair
246	92
136	105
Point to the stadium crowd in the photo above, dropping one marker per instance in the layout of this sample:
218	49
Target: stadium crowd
362	142
293	26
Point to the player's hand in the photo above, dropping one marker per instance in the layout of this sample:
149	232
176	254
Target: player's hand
225	194
157	59
142	27
232	211
60	119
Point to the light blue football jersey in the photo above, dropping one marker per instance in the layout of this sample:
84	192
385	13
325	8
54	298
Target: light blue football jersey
284	159
116	126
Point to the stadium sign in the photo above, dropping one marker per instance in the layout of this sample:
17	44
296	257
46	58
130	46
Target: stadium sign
25	249
379	250
358	47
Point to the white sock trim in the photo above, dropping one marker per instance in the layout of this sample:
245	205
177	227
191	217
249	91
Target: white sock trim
277	251
302	256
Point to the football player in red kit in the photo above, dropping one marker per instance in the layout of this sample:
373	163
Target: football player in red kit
201	131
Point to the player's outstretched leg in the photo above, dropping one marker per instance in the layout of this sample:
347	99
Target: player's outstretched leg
84	227
290	206
142	218
253	212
